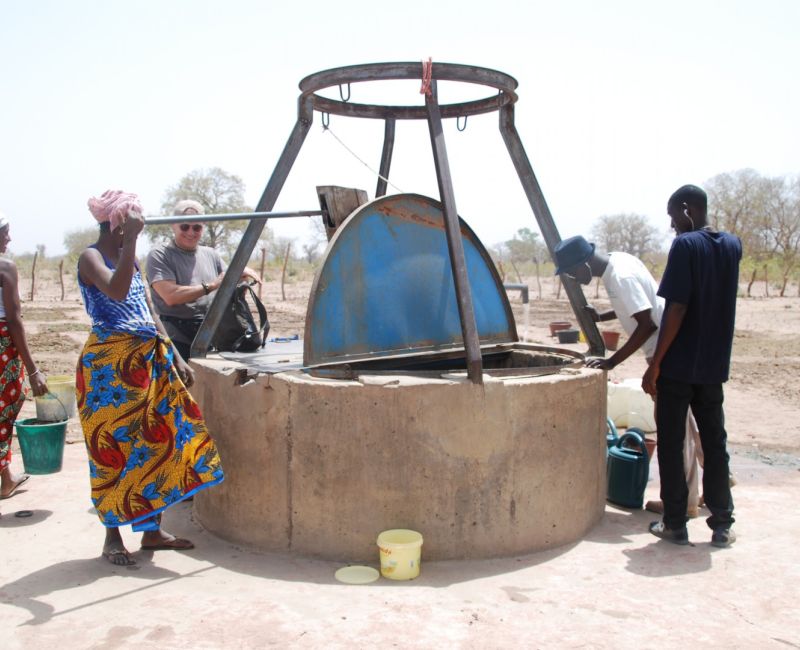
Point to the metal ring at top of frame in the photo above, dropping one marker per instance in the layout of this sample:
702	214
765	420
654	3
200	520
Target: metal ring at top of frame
505	85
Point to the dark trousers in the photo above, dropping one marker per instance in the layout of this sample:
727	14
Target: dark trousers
674	400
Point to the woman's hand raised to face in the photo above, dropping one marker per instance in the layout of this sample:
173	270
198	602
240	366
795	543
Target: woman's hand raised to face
133	226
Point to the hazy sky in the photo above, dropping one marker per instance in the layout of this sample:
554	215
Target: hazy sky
620	102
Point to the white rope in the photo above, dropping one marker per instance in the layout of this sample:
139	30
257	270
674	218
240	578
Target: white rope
327	129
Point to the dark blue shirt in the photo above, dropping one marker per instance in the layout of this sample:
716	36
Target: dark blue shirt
703	274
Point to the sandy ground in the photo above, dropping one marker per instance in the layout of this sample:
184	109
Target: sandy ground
619	587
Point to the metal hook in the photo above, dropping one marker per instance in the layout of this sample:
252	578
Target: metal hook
458	122
341	94
326	120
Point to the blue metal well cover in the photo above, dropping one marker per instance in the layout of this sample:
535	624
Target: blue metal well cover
385	287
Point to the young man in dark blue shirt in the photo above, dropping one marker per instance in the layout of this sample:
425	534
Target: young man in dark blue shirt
691	362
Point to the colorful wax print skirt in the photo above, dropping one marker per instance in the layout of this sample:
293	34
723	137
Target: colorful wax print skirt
147	442
12	395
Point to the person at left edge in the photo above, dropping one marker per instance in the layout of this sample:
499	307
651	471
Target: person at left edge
15	360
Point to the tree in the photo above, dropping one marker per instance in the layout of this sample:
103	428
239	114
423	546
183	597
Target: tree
784	206
317	238
218	192
628	233
76	241
735	199
739	203
524	247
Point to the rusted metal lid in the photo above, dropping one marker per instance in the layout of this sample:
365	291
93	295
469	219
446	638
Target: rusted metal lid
385	287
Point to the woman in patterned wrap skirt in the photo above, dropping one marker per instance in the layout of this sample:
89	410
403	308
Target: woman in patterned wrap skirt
147	442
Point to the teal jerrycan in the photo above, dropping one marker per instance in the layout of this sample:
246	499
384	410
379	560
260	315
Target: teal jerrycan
627	471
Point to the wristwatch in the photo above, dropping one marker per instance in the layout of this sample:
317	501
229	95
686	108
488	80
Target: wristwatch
206	288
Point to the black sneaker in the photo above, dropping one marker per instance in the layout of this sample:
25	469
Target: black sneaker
674	535
723	537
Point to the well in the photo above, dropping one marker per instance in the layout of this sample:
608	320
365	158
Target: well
320	466
410	402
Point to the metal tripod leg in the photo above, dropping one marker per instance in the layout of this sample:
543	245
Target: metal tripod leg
547	225
469	328
305	116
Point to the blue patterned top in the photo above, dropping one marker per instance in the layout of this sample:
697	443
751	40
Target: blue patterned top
108	315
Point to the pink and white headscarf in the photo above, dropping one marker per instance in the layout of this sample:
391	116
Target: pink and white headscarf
113	206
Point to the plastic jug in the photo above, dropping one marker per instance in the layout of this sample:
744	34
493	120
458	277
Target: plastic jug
627	471
629	405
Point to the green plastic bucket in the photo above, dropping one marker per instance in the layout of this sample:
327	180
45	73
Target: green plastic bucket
42	445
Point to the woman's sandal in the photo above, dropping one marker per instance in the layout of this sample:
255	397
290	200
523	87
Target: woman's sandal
119	557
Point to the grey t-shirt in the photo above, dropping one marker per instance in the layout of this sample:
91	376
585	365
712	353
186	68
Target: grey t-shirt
168	262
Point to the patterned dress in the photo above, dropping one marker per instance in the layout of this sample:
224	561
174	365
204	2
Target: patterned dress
12	394
147	442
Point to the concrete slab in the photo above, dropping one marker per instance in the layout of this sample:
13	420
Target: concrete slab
619	587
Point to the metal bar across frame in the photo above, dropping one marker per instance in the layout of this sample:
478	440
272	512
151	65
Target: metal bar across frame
230	216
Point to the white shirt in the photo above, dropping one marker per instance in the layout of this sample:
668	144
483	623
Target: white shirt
631	289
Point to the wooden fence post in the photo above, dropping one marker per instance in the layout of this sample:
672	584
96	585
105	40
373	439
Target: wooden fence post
33	274
283	272
261	270
61	277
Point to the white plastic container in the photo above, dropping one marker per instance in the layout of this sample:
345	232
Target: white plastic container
630	406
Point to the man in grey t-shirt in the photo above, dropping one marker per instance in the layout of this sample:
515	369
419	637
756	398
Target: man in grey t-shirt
183	275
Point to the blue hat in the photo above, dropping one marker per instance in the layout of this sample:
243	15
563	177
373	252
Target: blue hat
572	252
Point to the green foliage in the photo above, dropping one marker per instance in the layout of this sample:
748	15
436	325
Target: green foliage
76	241
525	247
218	192
520	255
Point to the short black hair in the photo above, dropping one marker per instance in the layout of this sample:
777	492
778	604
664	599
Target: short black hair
691	195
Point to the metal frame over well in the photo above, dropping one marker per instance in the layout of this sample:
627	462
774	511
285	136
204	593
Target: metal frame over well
502	100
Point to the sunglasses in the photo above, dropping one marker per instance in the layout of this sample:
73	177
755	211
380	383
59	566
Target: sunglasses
196	227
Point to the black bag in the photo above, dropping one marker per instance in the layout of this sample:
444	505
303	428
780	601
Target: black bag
186	326
237	331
